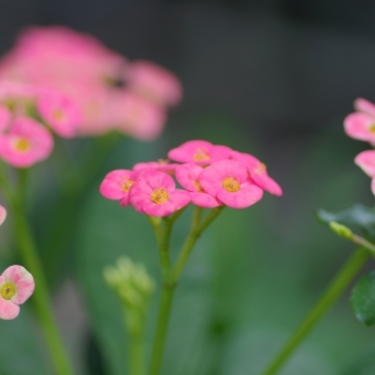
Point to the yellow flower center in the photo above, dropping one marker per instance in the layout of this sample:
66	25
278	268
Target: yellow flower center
59	115
7	291
22	144
371	128
159	196
261	168
201	154
127	184
231	184
197	186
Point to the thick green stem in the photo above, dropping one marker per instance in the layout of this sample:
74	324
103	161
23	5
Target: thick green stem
332	293
40	299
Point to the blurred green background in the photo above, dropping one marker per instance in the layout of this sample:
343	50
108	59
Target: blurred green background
272	78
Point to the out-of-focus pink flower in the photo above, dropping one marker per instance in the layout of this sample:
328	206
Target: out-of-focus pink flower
117	184
154	83
3	214
60	112
5	117
16	286
137	116
228	181
26	143
188	176
161	165
199	152
361	125
258	172
155	194
366	161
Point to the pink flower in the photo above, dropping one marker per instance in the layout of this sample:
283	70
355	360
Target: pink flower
155	194
258	172
5	117
199	152
16	286
117	184
361	125
60	112
26	143
161	165
366	161
188	176
228	181
154	83
3	214
137	116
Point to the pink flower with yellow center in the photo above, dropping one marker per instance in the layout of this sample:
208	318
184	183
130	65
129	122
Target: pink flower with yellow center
258	172
188	176
155	194
366	161
154	83
361	124
26	143
60	112
3	214
16	286
228	181
117	184
199	152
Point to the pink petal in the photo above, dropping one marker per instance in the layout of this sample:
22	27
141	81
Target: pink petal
23	281
154	209
156	180
267	183
187	175
179	198
356	125
245	197
3	214
8	309
204	200
365	106
112	185
366	161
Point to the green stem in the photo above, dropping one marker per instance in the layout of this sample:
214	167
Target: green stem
196	230
161	329
136	353
32	262
332	293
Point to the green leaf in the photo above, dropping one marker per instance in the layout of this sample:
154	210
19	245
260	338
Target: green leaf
358	216
363	299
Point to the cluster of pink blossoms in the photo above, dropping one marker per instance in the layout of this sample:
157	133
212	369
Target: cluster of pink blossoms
210	176
87	88
16	286
361	125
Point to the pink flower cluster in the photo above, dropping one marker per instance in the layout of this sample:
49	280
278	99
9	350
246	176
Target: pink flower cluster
92	89
210	176
361	125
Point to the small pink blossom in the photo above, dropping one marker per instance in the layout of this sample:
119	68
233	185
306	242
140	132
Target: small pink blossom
26	143
16	286
199	152
361	124
3	214
188	176
117	184
155	194
258	172
228	181
137	116
366	161
60	112
154	82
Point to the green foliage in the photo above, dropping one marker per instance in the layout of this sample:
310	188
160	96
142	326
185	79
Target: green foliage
363	299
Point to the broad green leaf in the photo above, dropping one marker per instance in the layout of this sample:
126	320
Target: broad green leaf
359	216
363	299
